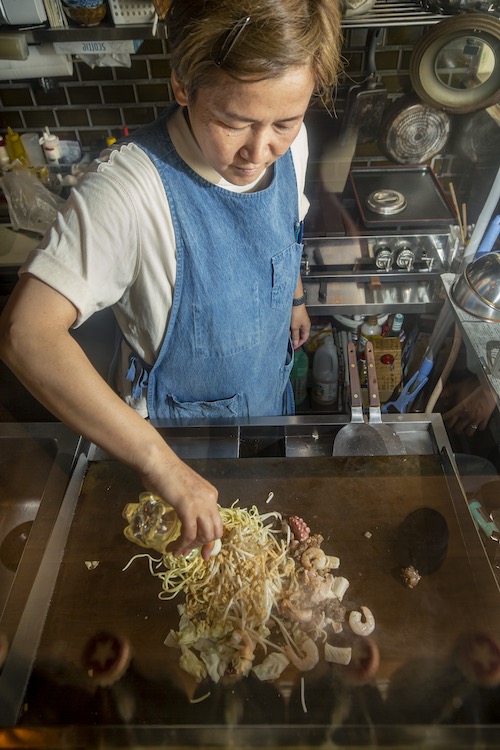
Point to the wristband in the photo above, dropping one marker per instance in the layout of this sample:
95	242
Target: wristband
299	301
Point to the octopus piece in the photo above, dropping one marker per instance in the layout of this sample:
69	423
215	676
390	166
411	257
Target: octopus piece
299	528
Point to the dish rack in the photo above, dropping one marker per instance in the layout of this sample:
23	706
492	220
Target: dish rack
126	12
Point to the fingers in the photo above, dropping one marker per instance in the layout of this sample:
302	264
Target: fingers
300	326
194	500
201	533
472	414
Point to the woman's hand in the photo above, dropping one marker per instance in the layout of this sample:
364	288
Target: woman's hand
194	500
300	326
473	410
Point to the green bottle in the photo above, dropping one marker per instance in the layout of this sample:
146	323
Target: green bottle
298	376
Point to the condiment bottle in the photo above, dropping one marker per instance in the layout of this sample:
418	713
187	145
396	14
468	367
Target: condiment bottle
4	154
51	146
298	376
397	325
34	152
15	147
369	328
326	373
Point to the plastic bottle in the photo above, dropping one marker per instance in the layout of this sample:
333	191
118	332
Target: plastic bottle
51	146
369	328
15	147
298	376
4	154
34	152
326	373
397	325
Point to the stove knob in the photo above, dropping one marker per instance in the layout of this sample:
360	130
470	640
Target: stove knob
405	258
383	257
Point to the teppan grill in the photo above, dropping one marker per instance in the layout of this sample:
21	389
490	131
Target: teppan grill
432	670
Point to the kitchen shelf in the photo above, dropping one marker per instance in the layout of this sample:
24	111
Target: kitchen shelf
385	13
103	32
394	13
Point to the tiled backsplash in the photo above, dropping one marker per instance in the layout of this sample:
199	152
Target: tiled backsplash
96	103
99	102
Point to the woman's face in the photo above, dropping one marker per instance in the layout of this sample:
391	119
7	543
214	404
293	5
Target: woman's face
243	127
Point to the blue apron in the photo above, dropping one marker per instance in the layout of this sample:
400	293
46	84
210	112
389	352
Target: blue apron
226	350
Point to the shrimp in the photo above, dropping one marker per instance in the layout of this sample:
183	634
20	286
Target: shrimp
308	657
360	626
314	558
243	659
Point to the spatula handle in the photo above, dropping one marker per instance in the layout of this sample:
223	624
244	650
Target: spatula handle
373	391
352	362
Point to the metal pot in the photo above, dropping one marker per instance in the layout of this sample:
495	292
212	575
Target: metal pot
477	290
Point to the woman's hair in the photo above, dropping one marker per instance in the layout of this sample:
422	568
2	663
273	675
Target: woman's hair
255	39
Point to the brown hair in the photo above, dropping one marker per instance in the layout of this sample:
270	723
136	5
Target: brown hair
208	34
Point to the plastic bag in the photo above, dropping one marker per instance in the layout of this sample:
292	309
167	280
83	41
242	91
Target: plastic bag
31	205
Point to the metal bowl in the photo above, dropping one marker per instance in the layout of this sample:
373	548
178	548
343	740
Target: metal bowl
477	290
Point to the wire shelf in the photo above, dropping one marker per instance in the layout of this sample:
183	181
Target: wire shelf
394	13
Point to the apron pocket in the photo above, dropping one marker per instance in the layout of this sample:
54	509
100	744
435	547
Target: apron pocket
223	408
224	334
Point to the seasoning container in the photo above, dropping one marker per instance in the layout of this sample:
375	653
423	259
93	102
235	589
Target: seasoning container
15	147
34	152
326	373
4	154
370	327
51	146
397	325
298	376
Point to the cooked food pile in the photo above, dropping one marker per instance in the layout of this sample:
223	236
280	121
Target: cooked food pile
263	602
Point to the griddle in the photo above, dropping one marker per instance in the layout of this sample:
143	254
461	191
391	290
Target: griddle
356	503
426	203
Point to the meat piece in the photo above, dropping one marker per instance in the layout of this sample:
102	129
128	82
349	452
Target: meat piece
410	576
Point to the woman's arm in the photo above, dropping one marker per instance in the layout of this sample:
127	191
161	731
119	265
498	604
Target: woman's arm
36	344
300	325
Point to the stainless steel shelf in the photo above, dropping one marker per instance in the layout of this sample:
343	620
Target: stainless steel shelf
103	32
394	13
385	13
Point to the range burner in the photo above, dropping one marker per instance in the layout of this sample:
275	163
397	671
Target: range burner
390	197
386	202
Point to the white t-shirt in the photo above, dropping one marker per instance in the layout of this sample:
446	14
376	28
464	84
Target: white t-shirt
113	244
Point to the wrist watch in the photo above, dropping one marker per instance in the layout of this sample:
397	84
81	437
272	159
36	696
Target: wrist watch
299	301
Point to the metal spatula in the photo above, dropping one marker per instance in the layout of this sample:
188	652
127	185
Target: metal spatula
357	438
393	443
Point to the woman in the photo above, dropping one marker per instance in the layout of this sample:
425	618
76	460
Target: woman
190	230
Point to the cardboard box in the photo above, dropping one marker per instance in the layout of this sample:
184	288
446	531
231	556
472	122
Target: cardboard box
387	355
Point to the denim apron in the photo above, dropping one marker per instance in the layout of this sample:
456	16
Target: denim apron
226	351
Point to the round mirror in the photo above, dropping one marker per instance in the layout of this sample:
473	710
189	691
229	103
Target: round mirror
465	63
456	66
